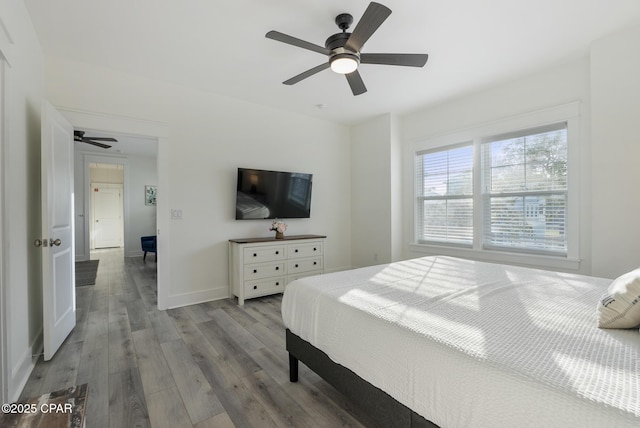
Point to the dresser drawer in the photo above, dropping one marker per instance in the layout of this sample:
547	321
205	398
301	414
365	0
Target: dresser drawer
264	254
306	249
264	270
264	286
304	265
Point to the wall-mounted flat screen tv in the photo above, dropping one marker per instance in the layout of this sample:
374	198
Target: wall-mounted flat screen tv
272	194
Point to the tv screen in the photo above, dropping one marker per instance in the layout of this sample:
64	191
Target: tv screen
264	194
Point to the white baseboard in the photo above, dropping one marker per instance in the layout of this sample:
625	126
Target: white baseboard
195	297
136	253
22	370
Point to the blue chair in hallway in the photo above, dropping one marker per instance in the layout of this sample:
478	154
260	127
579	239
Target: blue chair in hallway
148	246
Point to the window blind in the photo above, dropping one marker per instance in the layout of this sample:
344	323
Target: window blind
525	190
444	187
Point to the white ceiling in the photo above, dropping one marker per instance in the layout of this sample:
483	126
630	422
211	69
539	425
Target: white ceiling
219	46
129	145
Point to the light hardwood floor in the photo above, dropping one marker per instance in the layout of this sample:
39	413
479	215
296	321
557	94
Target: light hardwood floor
209	365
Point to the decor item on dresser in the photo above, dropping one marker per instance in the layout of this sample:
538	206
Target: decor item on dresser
279	227
263	266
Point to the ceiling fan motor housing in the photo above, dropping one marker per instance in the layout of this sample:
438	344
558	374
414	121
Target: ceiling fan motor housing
335	44
337	40
344	21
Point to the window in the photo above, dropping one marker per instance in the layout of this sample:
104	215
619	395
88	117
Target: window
445	195
500	193
299	190
525	190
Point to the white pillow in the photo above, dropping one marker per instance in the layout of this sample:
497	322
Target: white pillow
619	307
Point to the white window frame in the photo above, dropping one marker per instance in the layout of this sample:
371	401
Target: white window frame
569	113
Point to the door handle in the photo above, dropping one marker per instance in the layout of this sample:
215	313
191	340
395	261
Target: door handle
56	242
38	242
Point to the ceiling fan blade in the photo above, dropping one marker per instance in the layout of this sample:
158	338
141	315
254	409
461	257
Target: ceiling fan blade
409	60
356	83
308	73
102	139
373	17
290	40
95	143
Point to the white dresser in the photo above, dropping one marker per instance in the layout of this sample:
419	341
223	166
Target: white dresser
262	266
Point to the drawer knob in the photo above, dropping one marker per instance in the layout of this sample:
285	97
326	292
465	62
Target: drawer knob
277	283
315	249
255	255
296	250
255	287
296	264
255	271
277	252
277	267
315	263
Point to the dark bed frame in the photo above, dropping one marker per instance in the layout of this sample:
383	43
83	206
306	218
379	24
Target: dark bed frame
382	408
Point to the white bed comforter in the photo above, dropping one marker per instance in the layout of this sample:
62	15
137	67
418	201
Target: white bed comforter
472	344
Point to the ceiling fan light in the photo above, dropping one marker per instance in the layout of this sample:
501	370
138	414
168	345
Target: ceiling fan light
344	63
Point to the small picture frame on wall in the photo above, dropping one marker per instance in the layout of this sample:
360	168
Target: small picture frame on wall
150	194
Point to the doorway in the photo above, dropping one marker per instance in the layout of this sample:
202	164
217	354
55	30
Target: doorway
159	133
106	213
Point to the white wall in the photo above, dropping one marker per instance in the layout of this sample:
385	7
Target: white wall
209	137
615	131
396	156
24	85
561	85
81	247
371	200
141	218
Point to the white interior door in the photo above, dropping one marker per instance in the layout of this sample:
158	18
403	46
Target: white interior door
58	273
106	208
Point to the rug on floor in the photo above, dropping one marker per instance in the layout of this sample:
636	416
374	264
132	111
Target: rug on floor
86	272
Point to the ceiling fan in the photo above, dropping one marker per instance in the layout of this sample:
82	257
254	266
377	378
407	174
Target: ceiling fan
79	136
343	49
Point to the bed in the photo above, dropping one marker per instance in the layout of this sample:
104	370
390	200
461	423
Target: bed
249	208
441	341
